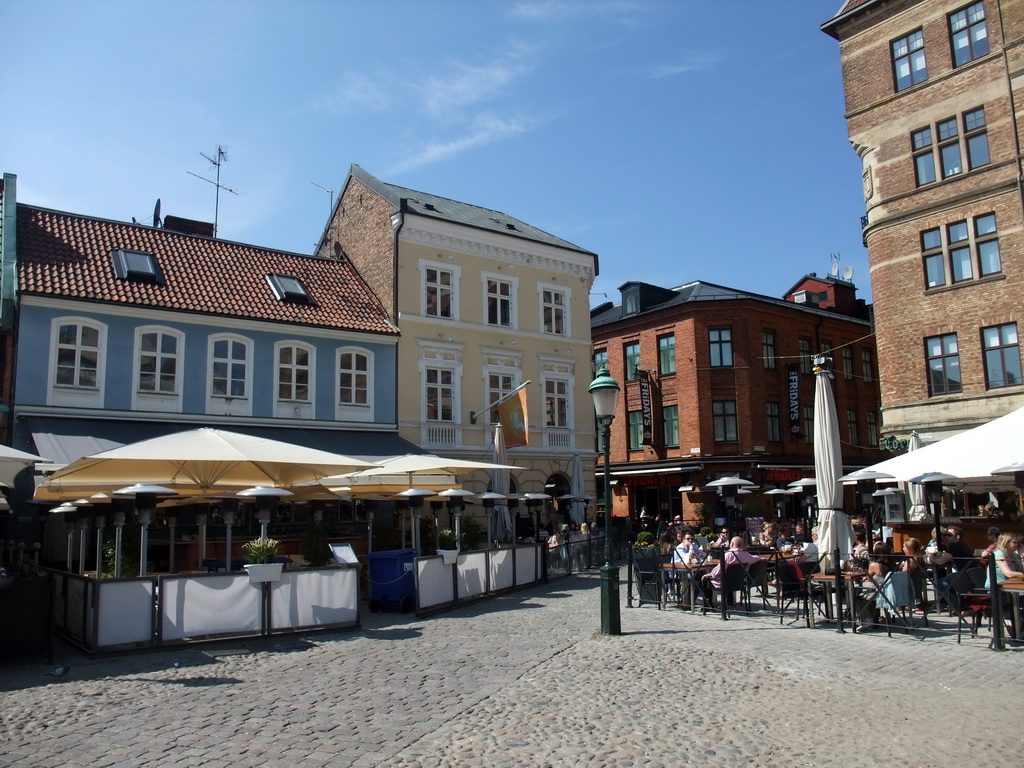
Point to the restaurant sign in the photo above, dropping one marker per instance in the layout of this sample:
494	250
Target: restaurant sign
639	481
646	408
794	401
893	443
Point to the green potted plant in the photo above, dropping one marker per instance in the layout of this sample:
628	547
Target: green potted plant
261	554
448	546
314	546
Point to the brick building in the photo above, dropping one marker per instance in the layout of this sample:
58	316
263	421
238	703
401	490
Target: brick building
732	392
930	93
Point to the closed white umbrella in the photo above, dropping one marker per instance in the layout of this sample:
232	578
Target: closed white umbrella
834	529
578	506
500	482
915	491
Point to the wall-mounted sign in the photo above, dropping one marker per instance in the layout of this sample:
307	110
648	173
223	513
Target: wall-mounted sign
794	401
646	407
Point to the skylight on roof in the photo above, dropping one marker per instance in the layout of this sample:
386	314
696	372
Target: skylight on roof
288	288
135	265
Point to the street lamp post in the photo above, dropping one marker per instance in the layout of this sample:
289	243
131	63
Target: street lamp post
605	391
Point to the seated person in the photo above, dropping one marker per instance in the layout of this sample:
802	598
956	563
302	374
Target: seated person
784	539
1008	563
737	553
810	553
722	540
800	534
993	537
878	567
767	537
914	565
860	546
686	549
955	554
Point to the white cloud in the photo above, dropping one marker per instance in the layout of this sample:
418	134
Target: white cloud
540	10
466	84
488	129
693	63
355	93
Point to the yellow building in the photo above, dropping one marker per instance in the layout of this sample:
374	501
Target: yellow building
484	302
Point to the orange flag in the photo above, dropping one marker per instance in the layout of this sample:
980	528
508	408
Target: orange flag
514	421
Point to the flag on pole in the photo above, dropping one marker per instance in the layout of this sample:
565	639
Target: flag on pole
513	419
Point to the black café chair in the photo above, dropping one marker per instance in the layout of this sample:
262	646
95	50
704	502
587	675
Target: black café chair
790	588
757	579
969	602
733	579
646	572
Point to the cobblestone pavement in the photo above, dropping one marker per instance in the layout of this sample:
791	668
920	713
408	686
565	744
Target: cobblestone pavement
524	680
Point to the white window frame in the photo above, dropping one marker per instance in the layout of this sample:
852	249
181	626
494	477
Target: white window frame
425	384
145	400
569	382
228	404
456	273
74	395
354	411
513	299
286	408
566	294
515	376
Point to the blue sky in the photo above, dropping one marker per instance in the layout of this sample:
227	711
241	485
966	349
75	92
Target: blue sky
679	140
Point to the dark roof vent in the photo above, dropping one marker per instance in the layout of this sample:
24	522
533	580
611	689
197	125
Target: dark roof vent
136	266
188	226
429	207
510	226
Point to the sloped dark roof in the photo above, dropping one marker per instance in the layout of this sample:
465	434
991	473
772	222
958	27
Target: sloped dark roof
847	10
69	255
698	291
435	207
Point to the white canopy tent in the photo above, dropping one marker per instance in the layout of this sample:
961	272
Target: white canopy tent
970	456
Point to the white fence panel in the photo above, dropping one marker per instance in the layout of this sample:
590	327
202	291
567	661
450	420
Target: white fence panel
433	582
472	570
315	598
501	569
124	612
209	604
527	565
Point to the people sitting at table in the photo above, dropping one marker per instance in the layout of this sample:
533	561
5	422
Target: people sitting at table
956	555
767	537
810	551
1008	562
737	553
913	564
783	539
800	534
687	550
878	567
993	537
860	546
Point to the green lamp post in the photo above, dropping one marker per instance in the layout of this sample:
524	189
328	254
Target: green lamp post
605	391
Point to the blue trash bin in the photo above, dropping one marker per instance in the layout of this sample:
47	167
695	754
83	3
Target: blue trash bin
392	580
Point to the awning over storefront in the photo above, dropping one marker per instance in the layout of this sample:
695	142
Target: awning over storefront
63	441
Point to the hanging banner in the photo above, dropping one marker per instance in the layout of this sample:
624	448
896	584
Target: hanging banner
794	401
514	421
646	407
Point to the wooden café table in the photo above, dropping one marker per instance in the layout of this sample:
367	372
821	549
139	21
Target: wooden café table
828	584
1015	588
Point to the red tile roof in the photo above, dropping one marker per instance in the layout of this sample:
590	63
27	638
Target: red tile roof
68	255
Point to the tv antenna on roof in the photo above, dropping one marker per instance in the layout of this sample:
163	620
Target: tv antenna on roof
328	191
834	271
222	157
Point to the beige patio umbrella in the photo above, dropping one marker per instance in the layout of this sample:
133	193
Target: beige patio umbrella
410	470
12	461
200	461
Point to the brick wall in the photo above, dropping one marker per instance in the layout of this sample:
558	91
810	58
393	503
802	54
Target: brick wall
362	227
880	123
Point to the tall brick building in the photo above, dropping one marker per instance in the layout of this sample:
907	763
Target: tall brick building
931	88
731	387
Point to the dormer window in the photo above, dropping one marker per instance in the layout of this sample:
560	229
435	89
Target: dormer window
288	288
137	266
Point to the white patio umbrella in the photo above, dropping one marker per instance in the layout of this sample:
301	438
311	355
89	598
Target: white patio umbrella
12	461
578	506
201	461
915	491
500	482
834	529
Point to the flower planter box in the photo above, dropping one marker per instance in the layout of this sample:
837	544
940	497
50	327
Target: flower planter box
449	556
263	572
